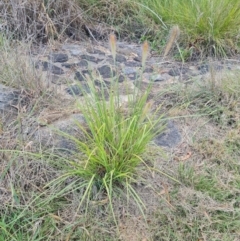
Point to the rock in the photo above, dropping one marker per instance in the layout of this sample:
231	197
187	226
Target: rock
132	76
77	90
158	78
118	78
74	49
101	84
9	98
95	51
90	58
148	70
69	65
75	52
58	57
106	72
204	68
177	71
138	59
133	64
52	68
129	70
81	75
49	136
121	78
170	137
66	146
120	58
82	63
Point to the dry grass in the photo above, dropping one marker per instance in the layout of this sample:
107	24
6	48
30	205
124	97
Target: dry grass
39	21
31	20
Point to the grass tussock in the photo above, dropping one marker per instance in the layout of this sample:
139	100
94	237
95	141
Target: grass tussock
208	28
117	135
103	173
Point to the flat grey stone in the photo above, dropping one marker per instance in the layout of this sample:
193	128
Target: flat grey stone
106	72
158	78
50	138
82	63
170	137
90	58
133	64
52	68
102	84
66	146
8	98
120	58
121	78
132	76
129	70
177	71
58	57
81	75
75	52
95	51
138	59
74	49
77	90
148	70
69	65
204	68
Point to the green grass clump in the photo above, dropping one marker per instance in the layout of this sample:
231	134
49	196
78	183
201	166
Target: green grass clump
116	137
118	140
208	27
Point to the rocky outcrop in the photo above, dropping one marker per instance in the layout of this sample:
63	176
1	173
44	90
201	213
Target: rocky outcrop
71	64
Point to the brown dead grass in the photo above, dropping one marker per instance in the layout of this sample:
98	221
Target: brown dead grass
40	21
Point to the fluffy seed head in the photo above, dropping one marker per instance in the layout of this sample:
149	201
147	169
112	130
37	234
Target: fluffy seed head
113	45
145	49
173	36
